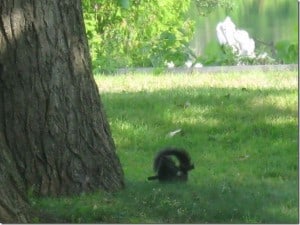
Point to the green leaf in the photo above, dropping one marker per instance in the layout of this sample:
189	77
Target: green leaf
124	3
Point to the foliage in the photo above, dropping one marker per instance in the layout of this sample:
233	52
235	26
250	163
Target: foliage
287	52
145	34
206	7
241	132
216	55
267	22
141	33
124	3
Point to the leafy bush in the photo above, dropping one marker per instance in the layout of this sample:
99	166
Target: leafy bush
216	55
148	33
287	52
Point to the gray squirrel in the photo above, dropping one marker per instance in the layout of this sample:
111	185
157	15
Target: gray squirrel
166	168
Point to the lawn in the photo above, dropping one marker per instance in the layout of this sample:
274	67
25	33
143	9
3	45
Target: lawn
241	131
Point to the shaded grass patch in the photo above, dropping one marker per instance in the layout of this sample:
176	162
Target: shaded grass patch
240	129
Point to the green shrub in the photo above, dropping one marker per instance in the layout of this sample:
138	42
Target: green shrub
287	52
145	34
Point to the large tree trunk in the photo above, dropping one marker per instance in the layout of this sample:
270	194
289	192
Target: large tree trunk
51	115
13	202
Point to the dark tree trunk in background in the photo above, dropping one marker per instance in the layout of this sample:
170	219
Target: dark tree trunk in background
51	117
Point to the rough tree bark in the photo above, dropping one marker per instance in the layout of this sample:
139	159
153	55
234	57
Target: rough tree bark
51	116
13	202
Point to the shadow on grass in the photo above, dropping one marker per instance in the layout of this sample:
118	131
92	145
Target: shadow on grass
218	103
243	143
225	201
151	202
228	116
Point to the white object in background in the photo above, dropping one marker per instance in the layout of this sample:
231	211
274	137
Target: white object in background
170	64
188	64
238	40
198	65
246	45
225	32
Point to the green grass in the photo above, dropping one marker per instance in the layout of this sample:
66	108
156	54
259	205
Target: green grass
240	129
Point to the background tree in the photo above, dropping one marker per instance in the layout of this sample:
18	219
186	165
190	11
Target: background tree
55	138
142	33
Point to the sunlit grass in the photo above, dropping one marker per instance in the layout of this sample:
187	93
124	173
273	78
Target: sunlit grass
141	82
240	129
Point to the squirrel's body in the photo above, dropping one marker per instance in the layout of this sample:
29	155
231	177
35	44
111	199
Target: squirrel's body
167	170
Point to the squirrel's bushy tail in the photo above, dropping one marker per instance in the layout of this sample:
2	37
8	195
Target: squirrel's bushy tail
167	169
182	156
